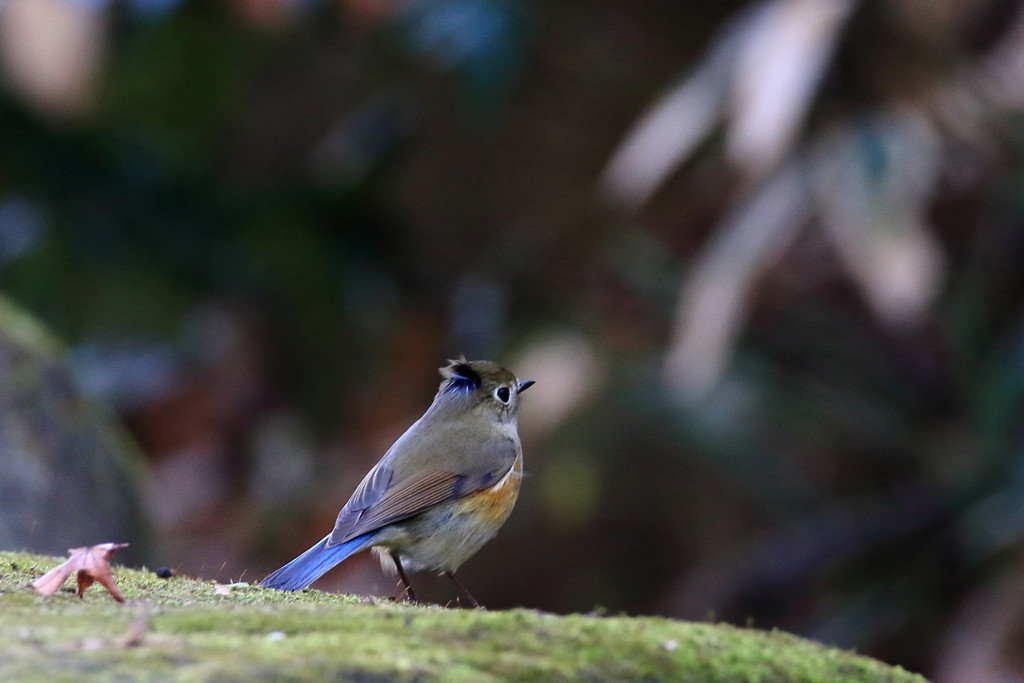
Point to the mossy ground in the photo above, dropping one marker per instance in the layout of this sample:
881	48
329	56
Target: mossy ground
182	629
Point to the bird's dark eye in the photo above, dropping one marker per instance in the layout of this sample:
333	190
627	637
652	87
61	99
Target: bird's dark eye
503	394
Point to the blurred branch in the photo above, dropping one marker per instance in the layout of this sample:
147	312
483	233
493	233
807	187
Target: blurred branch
760	73
870	177
714	302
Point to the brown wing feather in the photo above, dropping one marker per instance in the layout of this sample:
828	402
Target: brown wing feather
379	500
412	497
369	492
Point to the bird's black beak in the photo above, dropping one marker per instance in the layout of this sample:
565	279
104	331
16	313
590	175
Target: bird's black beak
525	384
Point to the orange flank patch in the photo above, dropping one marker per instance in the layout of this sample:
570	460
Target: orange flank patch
496	503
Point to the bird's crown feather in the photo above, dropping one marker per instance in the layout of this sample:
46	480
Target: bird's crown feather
461	375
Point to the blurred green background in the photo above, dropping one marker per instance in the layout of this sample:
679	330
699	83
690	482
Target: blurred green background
764	259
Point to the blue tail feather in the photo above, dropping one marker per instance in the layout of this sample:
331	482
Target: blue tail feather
315	562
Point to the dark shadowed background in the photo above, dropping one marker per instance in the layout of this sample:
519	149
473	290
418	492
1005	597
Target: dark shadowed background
764	259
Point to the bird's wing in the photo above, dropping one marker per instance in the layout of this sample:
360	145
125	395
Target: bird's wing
376	502
369	492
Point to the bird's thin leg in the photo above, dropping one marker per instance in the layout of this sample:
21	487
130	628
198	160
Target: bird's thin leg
407	593
462	589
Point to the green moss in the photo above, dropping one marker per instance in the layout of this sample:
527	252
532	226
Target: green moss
191	632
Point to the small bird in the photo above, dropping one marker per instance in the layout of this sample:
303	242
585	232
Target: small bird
442	490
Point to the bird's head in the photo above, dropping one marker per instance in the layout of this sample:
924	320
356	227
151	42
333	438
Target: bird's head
481	386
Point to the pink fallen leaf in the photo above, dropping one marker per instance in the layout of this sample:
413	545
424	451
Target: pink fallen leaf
90	562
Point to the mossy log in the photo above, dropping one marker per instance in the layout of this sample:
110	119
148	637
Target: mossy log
182	629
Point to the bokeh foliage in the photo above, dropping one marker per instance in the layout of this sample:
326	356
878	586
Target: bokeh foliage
764	260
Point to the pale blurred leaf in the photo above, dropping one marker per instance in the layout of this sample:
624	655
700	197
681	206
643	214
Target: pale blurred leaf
781	58
1000	77
667	135
52	51
571	371
768	61
873	186
715	296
